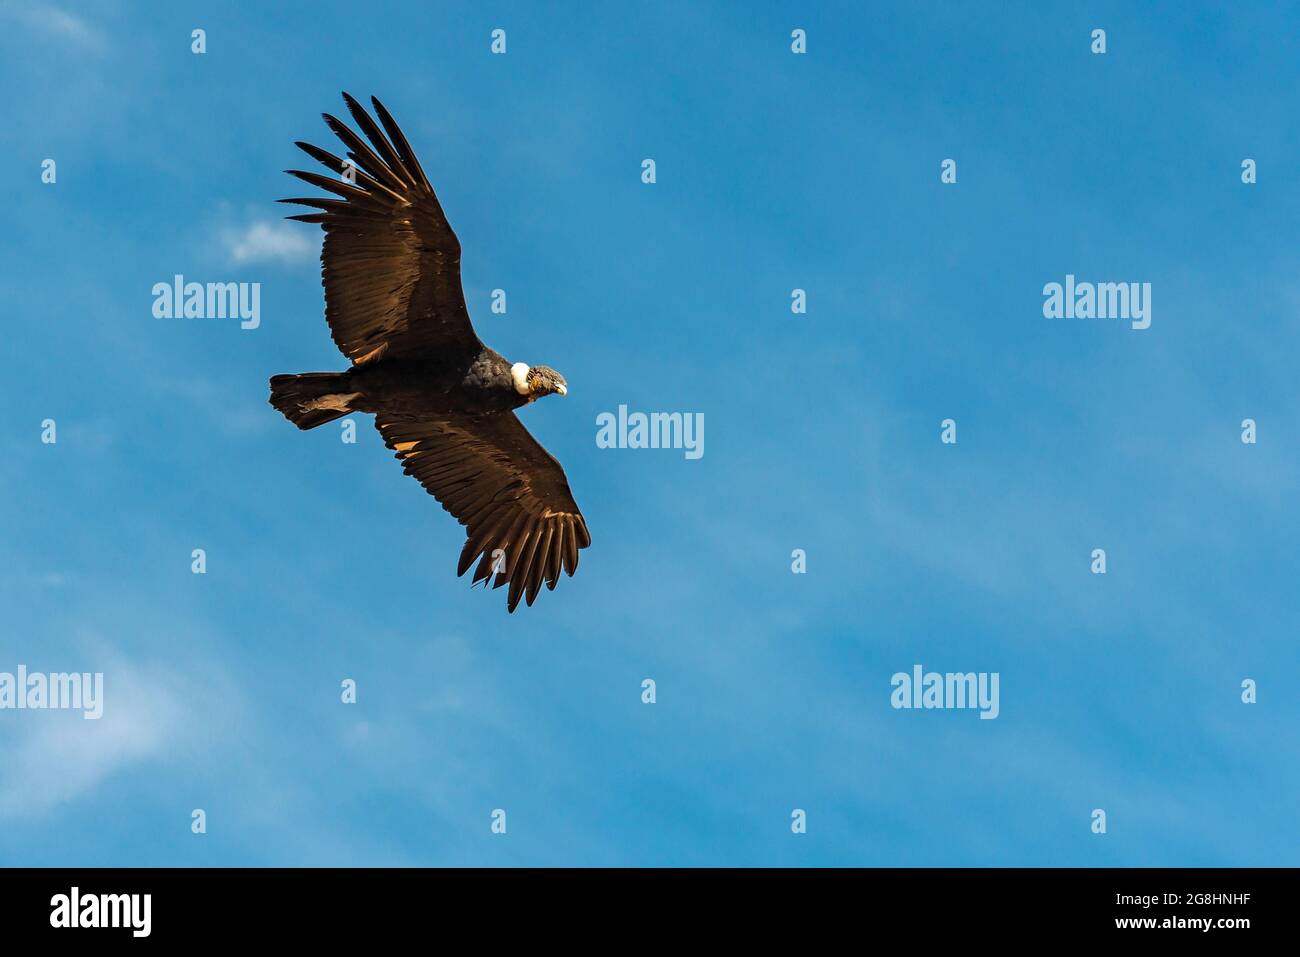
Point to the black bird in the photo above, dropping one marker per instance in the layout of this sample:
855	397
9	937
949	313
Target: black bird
443	401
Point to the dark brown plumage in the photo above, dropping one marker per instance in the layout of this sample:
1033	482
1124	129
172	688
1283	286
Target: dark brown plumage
443	401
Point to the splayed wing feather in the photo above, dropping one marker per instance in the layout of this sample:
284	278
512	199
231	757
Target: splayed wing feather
390	262
409	159
508	492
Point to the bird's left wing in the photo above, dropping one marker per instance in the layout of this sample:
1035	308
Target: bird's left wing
511	495
390	262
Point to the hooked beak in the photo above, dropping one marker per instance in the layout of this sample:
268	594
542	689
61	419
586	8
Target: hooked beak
562	389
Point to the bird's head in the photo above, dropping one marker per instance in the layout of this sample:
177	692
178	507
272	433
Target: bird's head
537	381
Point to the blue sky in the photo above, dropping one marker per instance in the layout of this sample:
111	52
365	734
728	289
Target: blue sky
775	171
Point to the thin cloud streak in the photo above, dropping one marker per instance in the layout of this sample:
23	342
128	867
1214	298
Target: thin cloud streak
59	24
263	242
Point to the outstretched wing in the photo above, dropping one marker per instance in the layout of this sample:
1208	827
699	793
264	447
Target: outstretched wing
510	494
390	262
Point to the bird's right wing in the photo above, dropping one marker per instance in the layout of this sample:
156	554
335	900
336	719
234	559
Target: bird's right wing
510	494
390	262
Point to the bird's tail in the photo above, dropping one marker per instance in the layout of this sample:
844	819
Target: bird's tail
313	398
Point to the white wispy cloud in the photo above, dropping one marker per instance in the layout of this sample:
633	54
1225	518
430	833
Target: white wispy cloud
151	713
56	756
59	24
271	242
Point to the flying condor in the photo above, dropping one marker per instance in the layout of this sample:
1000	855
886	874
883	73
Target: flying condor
443	401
